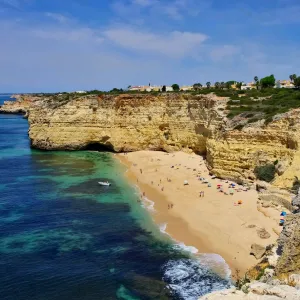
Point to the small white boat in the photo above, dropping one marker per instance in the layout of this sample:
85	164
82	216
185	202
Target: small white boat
104	183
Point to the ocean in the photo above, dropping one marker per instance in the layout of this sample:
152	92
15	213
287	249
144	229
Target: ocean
63	236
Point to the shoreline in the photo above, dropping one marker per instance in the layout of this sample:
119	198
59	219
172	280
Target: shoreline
195	221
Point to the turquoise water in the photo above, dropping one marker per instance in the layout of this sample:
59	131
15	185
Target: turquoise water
63	236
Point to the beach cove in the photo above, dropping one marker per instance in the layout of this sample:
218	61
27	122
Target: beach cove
214	224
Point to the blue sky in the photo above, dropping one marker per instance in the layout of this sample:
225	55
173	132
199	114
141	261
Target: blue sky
64	45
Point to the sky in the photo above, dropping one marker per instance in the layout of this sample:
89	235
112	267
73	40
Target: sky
69	45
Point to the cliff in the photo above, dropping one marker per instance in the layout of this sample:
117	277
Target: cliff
168	122
236	154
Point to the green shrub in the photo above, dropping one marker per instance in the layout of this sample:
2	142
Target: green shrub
265	172
253	120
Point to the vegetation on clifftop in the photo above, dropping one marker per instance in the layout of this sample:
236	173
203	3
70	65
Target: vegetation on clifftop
255	105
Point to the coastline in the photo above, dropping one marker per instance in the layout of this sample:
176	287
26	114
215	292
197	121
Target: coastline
211	224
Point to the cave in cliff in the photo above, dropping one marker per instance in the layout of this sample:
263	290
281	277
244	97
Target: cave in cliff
99	147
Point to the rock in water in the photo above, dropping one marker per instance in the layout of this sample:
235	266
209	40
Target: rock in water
258	251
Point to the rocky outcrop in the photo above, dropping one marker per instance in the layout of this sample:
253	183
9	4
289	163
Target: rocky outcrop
167	122
296	202
20	105
289	247
257	250
235	154
256	291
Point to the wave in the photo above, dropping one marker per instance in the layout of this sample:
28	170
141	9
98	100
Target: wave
148	204
190	279
193	277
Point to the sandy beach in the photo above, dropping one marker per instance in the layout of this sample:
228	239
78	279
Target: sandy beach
214	223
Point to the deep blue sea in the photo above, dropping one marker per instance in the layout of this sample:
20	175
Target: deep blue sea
63	237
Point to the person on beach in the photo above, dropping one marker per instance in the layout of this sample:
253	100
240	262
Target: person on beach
144	194
152	182
141	171
172	205
162	189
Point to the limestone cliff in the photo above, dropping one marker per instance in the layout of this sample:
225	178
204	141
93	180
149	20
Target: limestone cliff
166	122
235	154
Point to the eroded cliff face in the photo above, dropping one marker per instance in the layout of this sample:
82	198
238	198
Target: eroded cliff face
235	154
168	122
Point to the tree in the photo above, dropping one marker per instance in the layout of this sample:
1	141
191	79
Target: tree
222	85
297	82
229	84
208	84
115	90
268	81
256	82
164	88
175	87
239	85
293	77
197	86
217	85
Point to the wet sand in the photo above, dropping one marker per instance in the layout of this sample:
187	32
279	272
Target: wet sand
214	223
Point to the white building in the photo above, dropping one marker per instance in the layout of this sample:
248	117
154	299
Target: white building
248	86
80	92
284	84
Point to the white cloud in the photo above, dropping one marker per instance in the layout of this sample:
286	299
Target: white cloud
175	44
57	17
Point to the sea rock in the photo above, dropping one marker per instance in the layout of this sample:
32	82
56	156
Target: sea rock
20	106
289	246
263	233
257	250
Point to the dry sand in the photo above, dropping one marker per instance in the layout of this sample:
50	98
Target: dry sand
213	223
